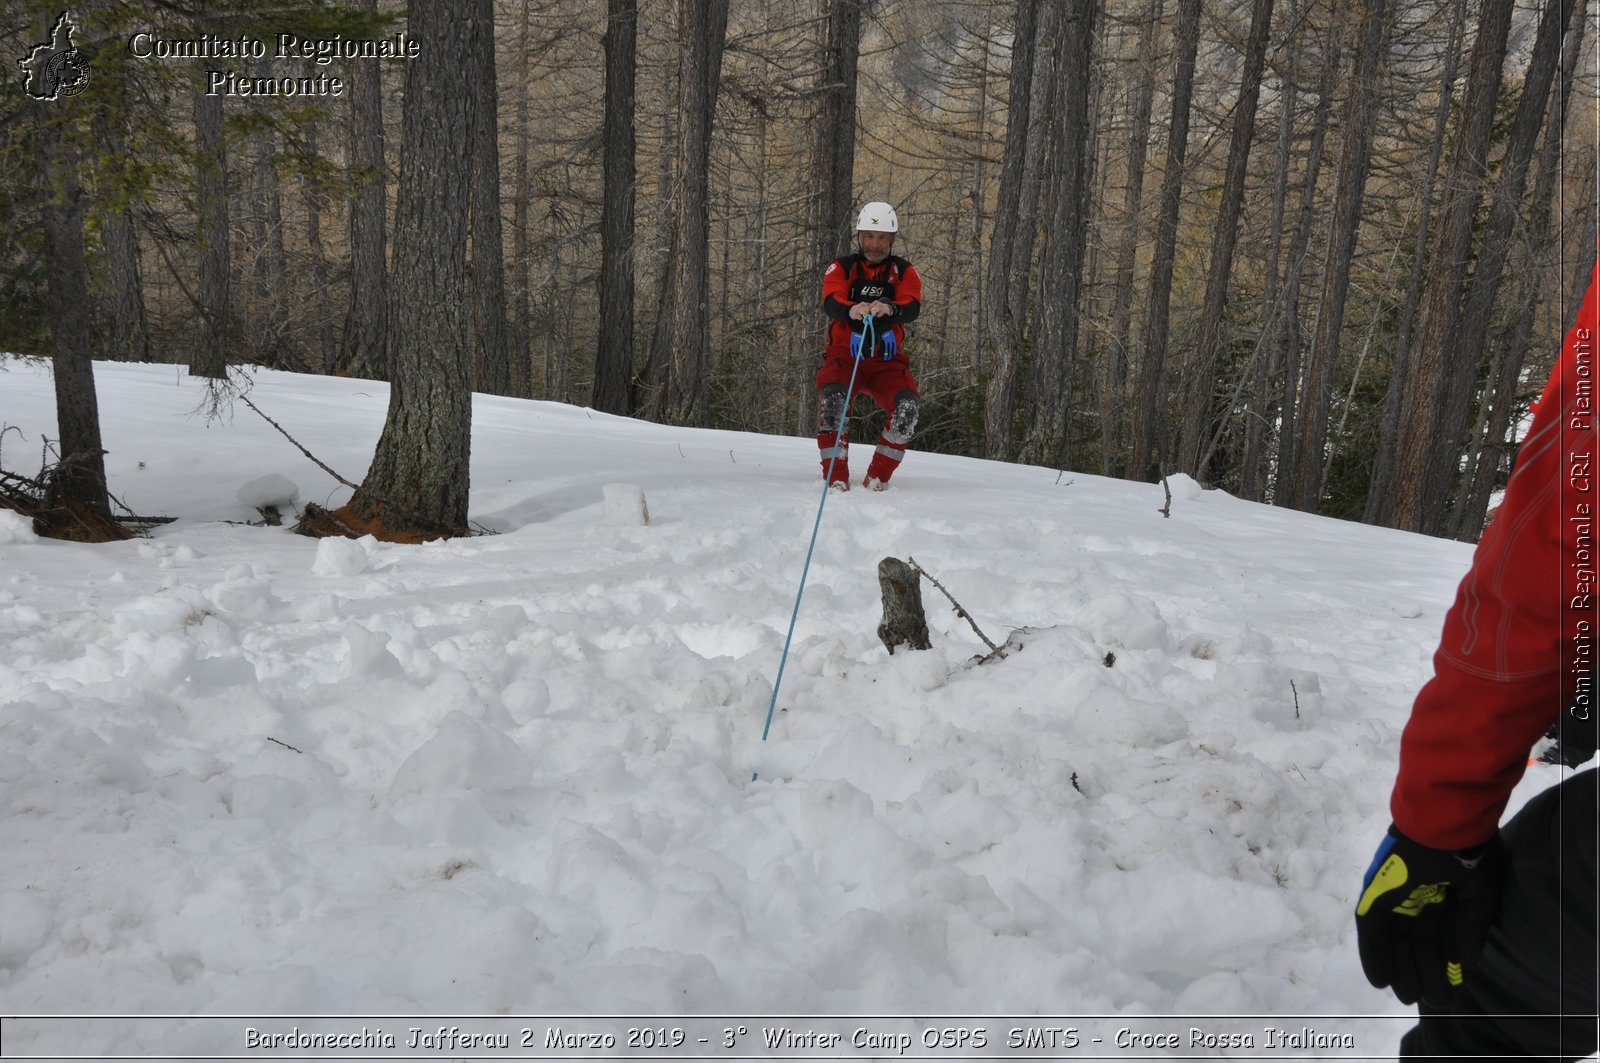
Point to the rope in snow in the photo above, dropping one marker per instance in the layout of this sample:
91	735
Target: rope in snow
867	342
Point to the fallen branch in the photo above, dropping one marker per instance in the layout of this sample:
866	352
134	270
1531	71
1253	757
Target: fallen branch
301	447
994	651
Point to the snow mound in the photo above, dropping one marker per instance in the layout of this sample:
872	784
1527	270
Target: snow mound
1184	486
15	528
338	557
274	489
465	755
1125	621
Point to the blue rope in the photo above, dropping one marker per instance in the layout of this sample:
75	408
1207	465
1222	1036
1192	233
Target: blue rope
867	342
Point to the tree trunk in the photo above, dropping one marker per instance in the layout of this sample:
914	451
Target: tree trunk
1148	416
364	351
976	225
1354	162
1378	489
1418	498
1197	412
1287	353
79	480
647	389
128	337
1005	237
614	362
316	204
488	286
834	158
521	265
1258	403
702	27
418	483
1511	344
1061	283
1506	203
209	357
1116	381
267	257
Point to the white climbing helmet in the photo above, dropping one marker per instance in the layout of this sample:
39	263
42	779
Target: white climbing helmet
879	218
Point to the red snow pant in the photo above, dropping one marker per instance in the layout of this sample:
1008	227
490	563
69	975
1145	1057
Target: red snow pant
892	387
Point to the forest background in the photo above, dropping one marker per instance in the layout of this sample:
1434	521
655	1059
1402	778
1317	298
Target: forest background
1317	253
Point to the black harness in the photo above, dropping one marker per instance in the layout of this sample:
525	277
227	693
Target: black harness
866	289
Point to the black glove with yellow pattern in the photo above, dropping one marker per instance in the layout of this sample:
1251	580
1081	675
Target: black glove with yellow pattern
1424	915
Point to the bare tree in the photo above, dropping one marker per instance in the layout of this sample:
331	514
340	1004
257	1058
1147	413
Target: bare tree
1504	215
702	28
363	351
1513	340
614	360
833	164
418	482
209	355
1197	410
1005	318
1055	339
1418	497
1148	420
1114	387
1285	367
1389	423
79	480
267	255
1354	163
487	284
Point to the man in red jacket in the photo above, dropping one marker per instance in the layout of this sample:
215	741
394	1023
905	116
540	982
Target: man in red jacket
869	298
1492	930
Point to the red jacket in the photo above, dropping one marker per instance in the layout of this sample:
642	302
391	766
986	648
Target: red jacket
1519	642
852	279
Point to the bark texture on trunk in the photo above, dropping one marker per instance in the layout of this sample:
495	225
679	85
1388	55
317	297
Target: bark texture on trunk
364	348
904	622
1005	244
78	482
1198	404
209	356
703	27
1147	418
1418	496
488	285
614	362
1354	162
418	482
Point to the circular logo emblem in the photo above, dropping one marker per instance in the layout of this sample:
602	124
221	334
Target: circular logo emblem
67	74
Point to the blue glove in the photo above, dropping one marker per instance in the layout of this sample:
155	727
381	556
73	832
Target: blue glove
859	347
888	345
1424	915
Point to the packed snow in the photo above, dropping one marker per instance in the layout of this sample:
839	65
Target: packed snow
245	772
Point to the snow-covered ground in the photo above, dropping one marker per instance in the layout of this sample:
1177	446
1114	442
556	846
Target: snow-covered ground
244	772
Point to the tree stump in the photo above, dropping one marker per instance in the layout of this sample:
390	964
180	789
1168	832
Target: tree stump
904	623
